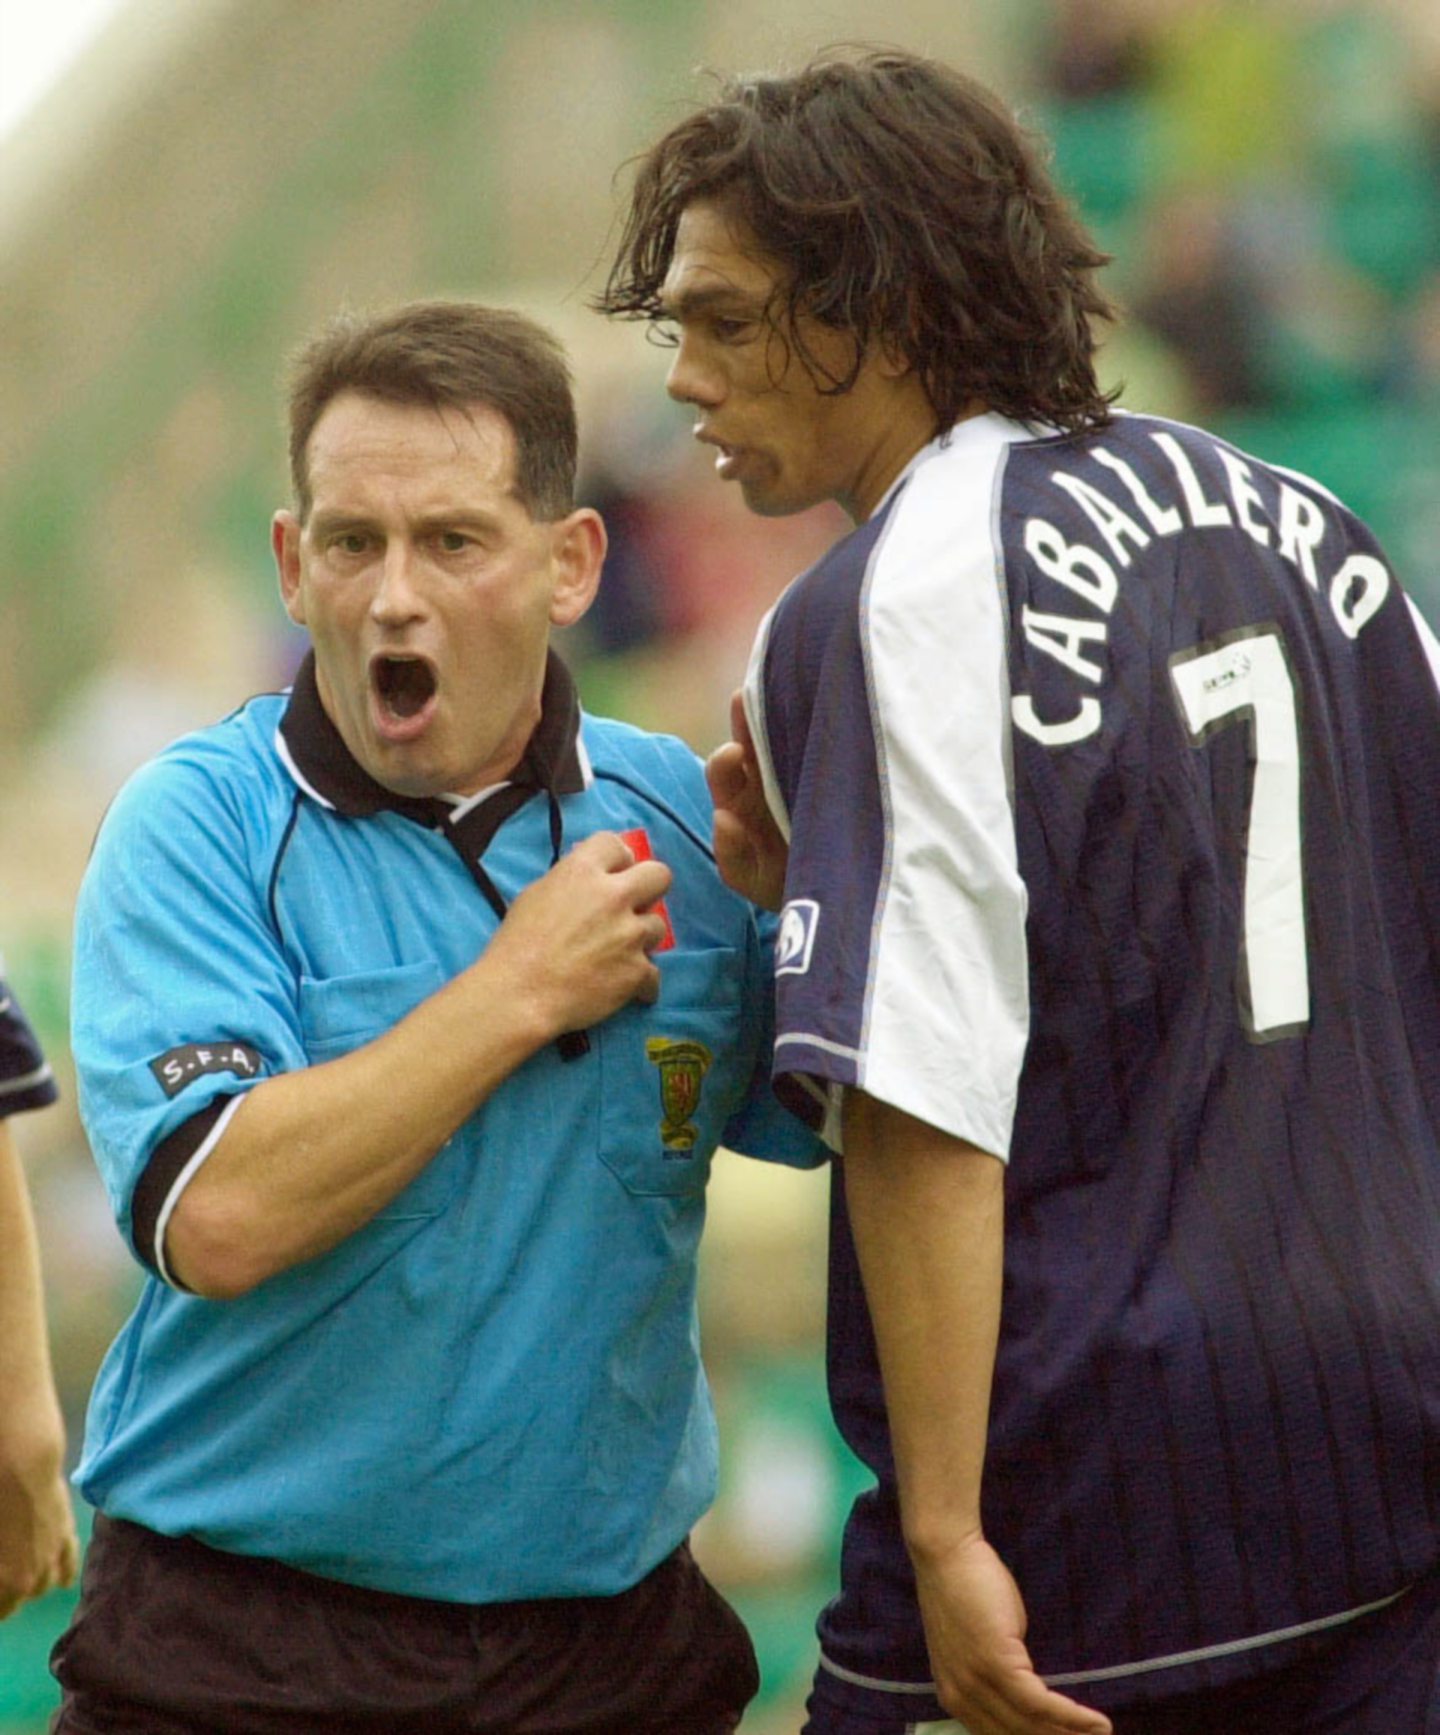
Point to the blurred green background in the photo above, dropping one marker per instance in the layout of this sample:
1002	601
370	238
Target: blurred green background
214	177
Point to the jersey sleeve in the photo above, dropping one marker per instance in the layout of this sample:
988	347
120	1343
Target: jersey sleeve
26	1081
764	1127
880	694
183	998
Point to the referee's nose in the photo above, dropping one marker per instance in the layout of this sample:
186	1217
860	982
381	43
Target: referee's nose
397	597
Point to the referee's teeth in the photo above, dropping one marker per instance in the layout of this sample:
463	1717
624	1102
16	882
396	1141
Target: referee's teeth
405	684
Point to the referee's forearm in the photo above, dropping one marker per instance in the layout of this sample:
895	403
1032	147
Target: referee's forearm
310	1157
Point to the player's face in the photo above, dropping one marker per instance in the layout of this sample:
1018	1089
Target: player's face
786	440
428	590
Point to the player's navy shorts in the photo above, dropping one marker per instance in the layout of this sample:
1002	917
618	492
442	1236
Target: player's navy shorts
1378	1675
173	1638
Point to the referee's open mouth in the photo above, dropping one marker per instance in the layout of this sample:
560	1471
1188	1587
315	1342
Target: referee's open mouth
404	690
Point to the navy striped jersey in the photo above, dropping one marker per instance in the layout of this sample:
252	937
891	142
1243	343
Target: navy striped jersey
26	1080
1110	767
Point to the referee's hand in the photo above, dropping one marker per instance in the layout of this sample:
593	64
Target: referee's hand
580	937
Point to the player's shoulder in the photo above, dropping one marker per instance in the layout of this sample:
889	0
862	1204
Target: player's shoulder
918	510
663	766
1146	430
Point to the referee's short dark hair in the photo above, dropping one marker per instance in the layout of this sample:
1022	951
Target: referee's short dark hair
447	354
909	208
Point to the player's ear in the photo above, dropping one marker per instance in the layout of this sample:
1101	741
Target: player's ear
285	532
579	554
893	358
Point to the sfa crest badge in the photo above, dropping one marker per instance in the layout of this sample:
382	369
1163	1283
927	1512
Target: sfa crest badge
683	1066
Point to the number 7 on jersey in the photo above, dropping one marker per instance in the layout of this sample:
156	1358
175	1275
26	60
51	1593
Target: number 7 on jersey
1244	677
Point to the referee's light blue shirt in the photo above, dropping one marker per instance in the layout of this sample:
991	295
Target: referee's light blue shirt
494	1389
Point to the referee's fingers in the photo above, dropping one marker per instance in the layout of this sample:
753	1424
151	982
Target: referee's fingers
648	883
610	851
654	932
649	990
607	849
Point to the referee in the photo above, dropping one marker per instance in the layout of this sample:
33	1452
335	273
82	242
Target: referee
409	1011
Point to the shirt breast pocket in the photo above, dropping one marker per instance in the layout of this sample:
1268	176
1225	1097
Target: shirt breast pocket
672	1074
342	1013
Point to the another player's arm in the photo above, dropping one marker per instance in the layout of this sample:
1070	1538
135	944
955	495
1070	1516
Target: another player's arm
927	1214
310	1156
37	1529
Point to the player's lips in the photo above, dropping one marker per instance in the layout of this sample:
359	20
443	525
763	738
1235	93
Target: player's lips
404	690
728	459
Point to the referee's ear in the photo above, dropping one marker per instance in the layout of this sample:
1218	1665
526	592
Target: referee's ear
285	531
578	553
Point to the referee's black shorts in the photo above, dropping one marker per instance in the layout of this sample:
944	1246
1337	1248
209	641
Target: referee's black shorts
173	1638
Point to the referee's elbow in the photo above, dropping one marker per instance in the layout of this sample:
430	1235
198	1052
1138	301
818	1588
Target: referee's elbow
213	1250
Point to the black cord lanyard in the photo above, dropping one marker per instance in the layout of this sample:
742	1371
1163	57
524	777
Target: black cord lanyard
469	840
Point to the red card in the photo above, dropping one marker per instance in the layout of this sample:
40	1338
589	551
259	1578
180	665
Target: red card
639	842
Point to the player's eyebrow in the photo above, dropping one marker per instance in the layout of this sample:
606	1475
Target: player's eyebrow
689	302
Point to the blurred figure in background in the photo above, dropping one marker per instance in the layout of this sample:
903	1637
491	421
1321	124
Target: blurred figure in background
38	1548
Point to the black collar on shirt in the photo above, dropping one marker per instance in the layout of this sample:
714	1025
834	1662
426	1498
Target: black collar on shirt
551	762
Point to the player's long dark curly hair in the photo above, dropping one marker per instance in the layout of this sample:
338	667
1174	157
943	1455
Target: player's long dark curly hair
910	208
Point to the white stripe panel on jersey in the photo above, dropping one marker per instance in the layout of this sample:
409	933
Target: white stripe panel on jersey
1428	642
947	1008
752	692
183	1180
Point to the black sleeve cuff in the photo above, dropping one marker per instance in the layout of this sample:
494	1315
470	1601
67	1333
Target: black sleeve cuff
157	1181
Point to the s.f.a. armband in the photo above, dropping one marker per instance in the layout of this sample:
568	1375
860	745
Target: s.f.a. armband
178	1067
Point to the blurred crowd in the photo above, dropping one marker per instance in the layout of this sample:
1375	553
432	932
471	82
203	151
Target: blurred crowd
1268	178
1266	174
